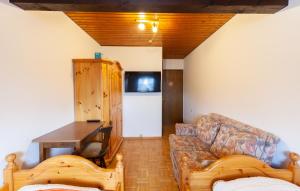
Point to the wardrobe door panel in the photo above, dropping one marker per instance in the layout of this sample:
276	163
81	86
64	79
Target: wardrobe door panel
87	80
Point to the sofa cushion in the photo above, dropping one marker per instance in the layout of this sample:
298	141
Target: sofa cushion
237	124
185	129
187	143
271	140
242	126
231	140
207	129
197	160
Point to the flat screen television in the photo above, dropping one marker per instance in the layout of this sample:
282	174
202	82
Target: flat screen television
144	82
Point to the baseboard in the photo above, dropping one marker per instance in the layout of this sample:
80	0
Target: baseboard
142	138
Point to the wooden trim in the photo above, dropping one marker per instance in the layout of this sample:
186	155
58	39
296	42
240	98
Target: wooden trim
155	6
237	166
64	169
119	65
142	138
89	60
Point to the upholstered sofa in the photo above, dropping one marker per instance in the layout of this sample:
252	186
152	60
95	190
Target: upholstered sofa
214	136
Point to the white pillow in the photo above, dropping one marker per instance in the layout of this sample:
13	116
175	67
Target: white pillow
255	184
36	187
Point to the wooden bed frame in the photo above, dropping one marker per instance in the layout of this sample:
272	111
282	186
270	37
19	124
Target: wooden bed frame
237	166
65	169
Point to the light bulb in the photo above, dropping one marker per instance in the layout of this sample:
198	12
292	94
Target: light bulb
141	26
154	28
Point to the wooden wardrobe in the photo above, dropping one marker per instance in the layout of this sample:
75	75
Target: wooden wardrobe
98	95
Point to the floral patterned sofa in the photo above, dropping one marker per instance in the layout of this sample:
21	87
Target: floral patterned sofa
215	136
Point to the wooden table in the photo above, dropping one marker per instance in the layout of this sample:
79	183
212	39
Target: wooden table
74	135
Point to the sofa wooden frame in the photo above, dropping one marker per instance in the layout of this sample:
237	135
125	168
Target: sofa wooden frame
237	166
64	169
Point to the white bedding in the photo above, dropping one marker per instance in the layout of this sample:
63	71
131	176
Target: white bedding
255	184
55	186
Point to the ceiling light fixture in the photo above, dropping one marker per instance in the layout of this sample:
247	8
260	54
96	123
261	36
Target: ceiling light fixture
155	27
141	26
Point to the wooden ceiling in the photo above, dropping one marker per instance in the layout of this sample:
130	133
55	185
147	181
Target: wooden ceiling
179	33
184	24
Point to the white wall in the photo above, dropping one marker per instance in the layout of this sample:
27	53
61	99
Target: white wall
249	70
173	64
36	81
142	113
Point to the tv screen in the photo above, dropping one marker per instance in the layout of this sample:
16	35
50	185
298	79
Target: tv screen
142	82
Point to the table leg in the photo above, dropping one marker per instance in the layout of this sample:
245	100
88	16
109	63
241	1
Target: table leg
43	152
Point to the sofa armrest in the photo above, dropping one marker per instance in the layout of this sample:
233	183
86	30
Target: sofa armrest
184	129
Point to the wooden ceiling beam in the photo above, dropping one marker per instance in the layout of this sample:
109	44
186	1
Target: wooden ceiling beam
155	6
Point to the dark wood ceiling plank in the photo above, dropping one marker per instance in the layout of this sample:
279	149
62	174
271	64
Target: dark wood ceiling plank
156	6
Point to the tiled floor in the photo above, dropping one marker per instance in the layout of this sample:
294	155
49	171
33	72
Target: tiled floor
148	165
